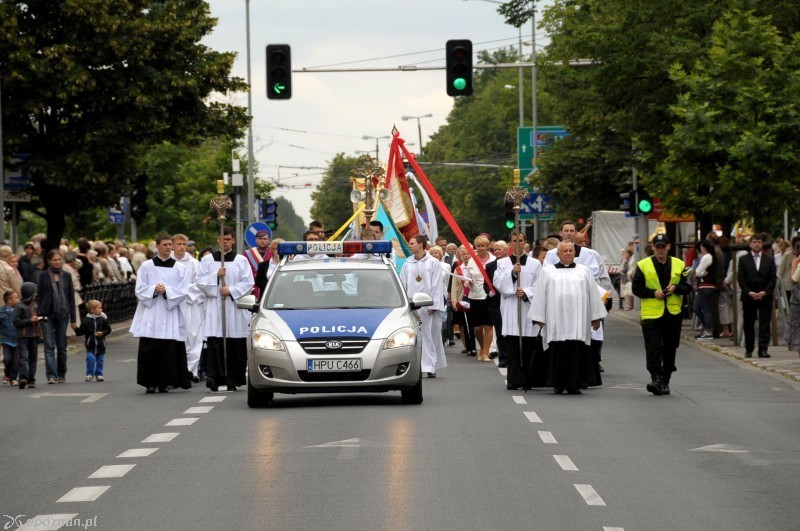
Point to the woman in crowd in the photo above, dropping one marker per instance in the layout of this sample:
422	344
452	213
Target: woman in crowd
479	316
792	334
458	291
706	283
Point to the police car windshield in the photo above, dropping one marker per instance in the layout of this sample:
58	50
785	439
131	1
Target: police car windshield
298	290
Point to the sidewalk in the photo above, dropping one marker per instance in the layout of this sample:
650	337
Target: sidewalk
782	361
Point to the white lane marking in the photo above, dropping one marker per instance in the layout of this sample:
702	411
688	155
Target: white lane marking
198	410
565	463
182	422
90	397
613	529
503	371
532	416
129	360
47	522
723	448
160	437
347	443
83	494
590	496
136	452
519	399
213	399
111	471
547	437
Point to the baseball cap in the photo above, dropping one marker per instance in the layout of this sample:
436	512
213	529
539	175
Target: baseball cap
262	233
660	239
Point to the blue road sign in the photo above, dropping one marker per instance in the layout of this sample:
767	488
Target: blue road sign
116	217
535	205
252	229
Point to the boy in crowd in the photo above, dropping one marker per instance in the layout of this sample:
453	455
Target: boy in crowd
28	325
95	327
8	333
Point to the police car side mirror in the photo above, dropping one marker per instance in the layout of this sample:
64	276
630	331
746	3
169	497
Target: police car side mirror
248	302
419	300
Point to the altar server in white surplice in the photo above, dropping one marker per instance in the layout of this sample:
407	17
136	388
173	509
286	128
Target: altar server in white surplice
192	305
566	302
421	273
225	364
159	322
515	281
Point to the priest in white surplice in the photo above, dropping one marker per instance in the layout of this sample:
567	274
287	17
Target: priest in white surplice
421	273
192	305
566	303
159	322
515	281
226	361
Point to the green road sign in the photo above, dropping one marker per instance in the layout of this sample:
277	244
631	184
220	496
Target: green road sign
547	136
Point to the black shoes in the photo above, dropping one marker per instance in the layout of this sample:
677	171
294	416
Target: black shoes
472	353
231	388
748	354
493	355
573	391
764	354
150	390
212	384
512	387
558	390
665	388
465	351
600	368
431	374
163	389
451	343
502	364
655	386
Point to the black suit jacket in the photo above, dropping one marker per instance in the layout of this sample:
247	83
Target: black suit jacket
756	281
491	269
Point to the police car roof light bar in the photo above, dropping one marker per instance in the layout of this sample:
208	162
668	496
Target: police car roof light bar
335	247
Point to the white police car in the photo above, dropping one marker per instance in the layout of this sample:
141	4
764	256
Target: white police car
334	324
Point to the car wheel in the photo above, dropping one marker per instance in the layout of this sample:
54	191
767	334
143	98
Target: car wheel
256	398
413	395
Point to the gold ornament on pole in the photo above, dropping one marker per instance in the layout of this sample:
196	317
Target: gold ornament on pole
221	203
366	181
517	194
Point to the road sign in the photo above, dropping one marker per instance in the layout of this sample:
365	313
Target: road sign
116	214
547	135
534	205
16	196
15	178
252	229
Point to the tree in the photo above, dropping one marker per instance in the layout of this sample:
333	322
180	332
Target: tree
736	132
88	86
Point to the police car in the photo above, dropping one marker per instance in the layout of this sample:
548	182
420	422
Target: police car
331	323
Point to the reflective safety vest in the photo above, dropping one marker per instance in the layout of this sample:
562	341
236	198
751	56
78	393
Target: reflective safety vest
653	308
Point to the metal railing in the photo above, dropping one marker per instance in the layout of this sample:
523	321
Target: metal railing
119	300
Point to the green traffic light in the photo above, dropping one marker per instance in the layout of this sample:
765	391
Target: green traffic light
459	83
510	224
278	88
645	206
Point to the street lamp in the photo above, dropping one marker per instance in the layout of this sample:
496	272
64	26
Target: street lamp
377	139
419	128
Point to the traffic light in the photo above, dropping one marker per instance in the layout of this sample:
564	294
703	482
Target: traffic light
628	202
270	207
279	72
644	202
459	67
511	215
139	194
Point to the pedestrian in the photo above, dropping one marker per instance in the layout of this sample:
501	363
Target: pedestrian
499	250
28	325
792	333
258	255
757	278
437	252
459	292
226	354
265	269
660	281
8	333
162	284
96	328
515	281
9	277
193	305
479	317
705	273
567	305
421	273
56	302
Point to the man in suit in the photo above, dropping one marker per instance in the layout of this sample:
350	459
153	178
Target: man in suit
757	276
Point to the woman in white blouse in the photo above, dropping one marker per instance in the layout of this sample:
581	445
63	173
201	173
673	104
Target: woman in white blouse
479	317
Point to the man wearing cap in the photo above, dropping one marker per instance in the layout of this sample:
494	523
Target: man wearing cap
661	284
256	255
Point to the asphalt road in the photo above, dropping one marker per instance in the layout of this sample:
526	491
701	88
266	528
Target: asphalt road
720	453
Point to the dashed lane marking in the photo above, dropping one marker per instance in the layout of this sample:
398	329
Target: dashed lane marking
111	471
565	463
590	496
198	410
503	371
547	437
160	437
83	494
519	399
182	422
136	452
47	522
532	416
213	399
613	529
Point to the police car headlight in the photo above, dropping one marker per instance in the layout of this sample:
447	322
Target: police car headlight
405	337
267	341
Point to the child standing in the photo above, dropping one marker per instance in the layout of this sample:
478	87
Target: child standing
8	333
95	327
27	323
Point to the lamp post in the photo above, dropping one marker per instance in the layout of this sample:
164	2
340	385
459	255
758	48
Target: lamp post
251	203
377	140
419	127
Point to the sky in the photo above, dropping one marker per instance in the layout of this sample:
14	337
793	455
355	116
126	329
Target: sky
330	113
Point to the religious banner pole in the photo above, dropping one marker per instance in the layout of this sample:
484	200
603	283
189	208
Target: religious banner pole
221	203
518	194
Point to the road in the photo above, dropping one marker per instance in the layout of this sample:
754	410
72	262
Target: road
720	453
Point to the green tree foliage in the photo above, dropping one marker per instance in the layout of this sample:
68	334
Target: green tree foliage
89	84
735	142
290	226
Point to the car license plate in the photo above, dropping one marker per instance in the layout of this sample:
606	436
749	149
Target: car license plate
334	365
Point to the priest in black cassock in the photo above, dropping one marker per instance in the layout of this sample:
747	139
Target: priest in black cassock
567	304
162	285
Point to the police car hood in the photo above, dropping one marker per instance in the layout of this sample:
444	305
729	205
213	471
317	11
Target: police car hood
375	323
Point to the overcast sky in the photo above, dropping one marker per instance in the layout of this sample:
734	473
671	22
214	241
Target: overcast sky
331	112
